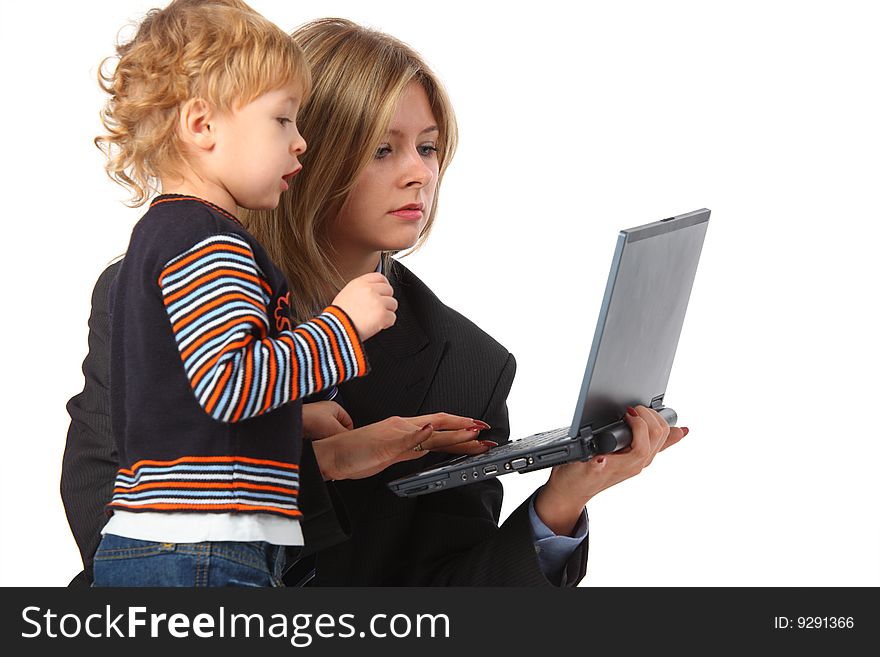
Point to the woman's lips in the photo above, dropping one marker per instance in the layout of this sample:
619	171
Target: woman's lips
409	212
409	215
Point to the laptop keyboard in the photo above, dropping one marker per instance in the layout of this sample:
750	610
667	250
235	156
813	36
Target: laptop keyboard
535	440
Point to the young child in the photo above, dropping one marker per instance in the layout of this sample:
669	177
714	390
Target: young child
205	361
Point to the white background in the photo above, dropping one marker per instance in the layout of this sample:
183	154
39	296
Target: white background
577	120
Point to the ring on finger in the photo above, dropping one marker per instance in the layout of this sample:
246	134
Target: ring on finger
418	448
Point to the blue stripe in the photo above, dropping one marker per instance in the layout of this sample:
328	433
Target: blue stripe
225	309
234	260
345	346
227	337
202	290
219	494
215	344
256	380
278	392
199	469
198	326
322	366
209	258
226	398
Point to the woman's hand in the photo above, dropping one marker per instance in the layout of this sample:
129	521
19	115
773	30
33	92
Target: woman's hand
561	500
365	451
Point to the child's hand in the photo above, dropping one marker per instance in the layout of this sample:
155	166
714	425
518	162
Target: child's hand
369	302
324	418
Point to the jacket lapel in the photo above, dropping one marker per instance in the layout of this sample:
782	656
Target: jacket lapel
403	362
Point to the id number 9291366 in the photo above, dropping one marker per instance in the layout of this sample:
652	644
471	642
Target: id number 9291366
814	623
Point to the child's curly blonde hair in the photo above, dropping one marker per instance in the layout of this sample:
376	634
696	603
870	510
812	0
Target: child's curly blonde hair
219	50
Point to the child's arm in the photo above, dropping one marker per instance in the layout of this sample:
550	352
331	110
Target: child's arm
216	301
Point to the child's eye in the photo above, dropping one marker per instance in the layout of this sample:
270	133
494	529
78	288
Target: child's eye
427	149
284	121
382	151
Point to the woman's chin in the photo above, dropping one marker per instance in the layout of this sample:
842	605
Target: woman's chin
401	245
401	240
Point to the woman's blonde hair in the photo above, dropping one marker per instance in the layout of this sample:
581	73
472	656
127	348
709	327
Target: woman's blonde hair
358	76
219	50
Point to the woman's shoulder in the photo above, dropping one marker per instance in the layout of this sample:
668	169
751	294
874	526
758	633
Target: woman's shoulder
101	291
439	321
108	275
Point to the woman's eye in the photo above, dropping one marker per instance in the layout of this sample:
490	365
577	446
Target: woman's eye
427	149
284	121
382	151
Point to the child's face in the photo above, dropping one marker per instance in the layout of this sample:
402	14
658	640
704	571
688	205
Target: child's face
391	200
256	149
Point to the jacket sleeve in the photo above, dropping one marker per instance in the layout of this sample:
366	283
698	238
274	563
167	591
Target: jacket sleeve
90	461
458	541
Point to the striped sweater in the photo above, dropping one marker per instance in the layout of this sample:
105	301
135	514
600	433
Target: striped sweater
205	362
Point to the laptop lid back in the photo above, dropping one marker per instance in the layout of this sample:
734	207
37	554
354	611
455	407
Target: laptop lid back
640	320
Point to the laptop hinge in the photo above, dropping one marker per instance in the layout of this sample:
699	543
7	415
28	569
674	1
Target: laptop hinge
585	432
657	402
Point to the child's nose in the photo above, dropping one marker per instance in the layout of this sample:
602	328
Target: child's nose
298	145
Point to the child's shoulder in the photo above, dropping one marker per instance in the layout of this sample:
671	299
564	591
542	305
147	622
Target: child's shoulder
173	225
185	216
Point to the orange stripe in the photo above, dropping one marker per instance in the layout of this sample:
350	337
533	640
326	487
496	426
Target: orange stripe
334	345
206	486
204	280
273	375
313	347
218	390
294	365
209	459
181	324
246	388
208	507
213	333
352	336
209	365
202	252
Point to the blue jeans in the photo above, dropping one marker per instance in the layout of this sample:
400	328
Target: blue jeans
123	561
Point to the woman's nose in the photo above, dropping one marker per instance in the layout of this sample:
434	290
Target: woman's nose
417	171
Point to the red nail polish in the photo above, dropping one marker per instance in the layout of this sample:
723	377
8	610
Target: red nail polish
481	424
632	411
600	459
489	443
428	426
684	431
475	427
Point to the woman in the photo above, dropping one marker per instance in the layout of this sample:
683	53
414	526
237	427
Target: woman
381	133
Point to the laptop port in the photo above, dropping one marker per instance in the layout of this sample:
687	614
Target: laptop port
490	469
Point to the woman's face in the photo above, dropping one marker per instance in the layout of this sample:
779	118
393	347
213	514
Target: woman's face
391	200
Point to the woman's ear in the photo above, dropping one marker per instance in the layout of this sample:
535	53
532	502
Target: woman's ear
197	127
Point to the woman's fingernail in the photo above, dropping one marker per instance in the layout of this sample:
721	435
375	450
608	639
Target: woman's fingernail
428	426
684	431
475	427
489	443
481	424
632	411
600	459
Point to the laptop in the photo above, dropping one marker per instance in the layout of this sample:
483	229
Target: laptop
640	320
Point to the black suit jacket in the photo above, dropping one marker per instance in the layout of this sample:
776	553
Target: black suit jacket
357	532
